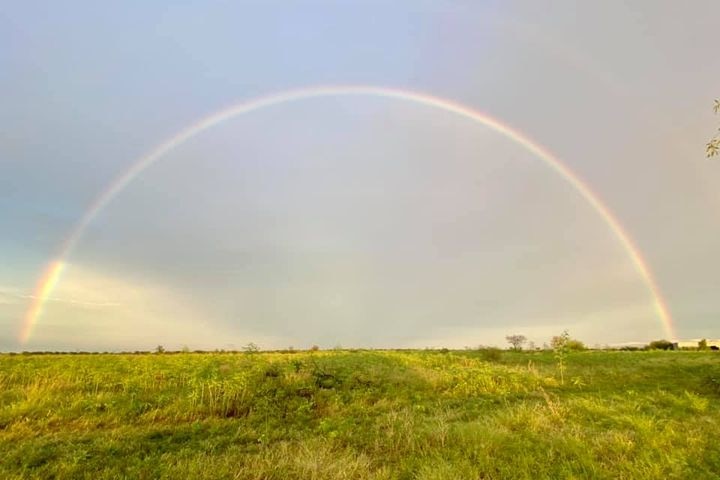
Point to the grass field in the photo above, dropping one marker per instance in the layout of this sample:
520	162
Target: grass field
361	415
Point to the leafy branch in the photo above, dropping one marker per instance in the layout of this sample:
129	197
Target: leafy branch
713	146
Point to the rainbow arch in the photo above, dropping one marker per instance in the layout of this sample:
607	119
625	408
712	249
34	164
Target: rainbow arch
53	270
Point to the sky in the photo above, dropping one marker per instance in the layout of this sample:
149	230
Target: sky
356	220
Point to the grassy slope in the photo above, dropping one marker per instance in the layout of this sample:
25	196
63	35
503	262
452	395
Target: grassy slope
360	415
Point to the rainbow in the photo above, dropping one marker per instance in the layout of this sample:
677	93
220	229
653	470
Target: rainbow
53	271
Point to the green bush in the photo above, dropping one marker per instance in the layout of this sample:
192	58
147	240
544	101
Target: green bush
660	345
490	354
566	342
575	345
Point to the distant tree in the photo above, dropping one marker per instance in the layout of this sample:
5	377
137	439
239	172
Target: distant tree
251	348
314	348
702	344
660	345
516	341
713	146
159	349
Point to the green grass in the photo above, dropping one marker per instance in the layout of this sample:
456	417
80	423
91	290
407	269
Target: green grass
360	415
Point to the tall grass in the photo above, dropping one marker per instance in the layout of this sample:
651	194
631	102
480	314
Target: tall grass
343	414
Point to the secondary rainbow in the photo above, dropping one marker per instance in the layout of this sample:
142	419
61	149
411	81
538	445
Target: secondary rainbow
53	271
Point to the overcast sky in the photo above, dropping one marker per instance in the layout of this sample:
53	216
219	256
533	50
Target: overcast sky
357	221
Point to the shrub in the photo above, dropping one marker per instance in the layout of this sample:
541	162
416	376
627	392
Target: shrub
660	345
490	354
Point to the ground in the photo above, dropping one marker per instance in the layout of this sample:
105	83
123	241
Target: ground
360	415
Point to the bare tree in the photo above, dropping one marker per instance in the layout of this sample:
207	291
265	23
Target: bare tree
516	341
